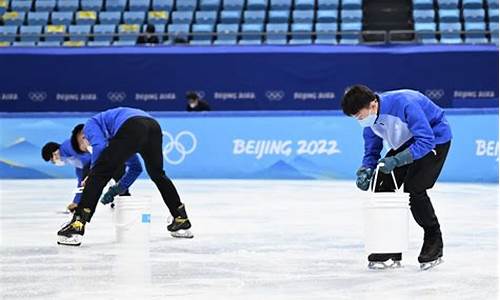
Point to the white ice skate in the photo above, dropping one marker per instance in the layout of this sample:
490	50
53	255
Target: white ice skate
73	240
431	264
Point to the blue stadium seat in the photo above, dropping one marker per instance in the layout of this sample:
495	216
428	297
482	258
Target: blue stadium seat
210	5
49	44
475	33
104	33
30	33
14	18
38	18
99	43
279	16
158	17
493	4
327	16
230	16
228	33
351	15
494	37
200	42
206	17
8	33
124	43
252	32
494	26
257	4
423	4
178	30
23	44
449	15
110	17
202	32
423	15
304	4
250	42
182	17
426	32
86	17
139	5
301	33
67	5
20	5
473	15
134	17
303	16
185	5
3	8
450	33
472	4
128	32
167	5
326	33
45	5
447	4
352	4
115	5
54	33
61	18
255	17
493	15
328	4
276	34
91	5
281	4
350	33
234	5
79	32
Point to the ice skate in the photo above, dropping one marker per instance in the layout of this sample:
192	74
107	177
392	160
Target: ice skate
432	251
71	234
382	261
179	226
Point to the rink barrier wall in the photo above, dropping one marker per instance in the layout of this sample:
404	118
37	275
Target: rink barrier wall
241	78
253	145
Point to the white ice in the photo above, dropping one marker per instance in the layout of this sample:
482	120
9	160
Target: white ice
253	240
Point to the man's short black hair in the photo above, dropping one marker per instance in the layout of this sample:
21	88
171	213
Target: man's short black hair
48	149
74	141
355	98
150	28
192	96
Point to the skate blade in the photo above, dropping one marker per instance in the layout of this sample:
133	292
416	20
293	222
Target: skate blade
381	265
74	240
429	265
182	234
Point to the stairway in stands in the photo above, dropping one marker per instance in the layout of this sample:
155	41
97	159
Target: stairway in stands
387	15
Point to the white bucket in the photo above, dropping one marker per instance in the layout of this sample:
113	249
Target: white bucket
386	221
132	219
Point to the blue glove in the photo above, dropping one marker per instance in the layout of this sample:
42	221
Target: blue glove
109	196
391	162
364	178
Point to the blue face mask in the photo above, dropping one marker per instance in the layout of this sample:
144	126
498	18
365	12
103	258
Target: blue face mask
368	121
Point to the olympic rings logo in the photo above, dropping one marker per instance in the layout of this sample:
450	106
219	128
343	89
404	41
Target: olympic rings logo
184	143
37	96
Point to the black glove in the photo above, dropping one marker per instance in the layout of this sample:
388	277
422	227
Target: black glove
364	178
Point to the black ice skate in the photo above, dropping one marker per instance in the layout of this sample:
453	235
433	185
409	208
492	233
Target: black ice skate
71	234
432	251
179	227
382	261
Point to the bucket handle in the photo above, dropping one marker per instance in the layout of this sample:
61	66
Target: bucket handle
374	182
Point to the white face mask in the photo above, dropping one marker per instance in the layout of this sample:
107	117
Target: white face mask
59	163
192	104
89	149
368	121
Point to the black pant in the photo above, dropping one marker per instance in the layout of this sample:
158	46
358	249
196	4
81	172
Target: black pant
418	177
117	175
137	135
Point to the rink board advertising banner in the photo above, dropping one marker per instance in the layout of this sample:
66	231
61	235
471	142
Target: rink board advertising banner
240	78
254	145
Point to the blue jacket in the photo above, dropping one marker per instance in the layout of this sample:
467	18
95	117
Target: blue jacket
405	117
102	127
80	161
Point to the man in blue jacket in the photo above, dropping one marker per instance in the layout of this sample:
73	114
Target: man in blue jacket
419	137
112	137
68	152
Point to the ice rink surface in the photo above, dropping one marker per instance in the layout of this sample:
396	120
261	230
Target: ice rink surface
253	240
